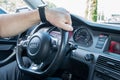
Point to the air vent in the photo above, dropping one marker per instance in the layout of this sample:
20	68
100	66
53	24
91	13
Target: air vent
108	64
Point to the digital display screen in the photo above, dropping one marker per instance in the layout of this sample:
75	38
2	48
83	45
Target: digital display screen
114	47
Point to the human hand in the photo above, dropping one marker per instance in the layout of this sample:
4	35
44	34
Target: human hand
59	17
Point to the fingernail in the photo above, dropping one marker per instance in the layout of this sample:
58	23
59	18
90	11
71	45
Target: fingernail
70	28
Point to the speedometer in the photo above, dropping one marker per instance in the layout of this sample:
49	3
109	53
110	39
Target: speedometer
82	37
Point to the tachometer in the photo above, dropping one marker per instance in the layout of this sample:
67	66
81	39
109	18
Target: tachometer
82	37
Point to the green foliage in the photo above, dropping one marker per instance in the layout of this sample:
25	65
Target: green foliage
94	10
91	10
87	9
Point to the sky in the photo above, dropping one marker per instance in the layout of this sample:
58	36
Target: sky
78	7
74	6
109	7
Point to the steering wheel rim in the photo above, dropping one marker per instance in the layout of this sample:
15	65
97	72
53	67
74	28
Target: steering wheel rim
54	65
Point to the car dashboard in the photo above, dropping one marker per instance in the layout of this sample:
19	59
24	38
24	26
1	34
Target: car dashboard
96	55
98	47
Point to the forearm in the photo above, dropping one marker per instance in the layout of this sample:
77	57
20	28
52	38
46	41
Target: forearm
14	24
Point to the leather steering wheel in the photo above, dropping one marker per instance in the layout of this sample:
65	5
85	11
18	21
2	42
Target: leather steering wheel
39	47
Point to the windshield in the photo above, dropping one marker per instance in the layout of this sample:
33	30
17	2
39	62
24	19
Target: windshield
74	6
103	11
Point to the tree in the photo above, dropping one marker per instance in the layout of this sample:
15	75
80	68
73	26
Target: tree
91	10
87	9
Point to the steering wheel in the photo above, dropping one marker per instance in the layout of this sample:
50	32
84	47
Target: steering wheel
40	47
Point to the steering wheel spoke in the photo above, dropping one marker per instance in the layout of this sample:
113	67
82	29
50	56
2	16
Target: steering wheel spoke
24	43
54	42
36	67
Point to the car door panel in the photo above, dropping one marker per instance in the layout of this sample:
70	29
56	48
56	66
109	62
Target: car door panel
7	46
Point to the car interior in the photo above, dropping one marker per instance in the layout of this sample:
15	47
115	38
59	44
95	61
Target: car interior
90	52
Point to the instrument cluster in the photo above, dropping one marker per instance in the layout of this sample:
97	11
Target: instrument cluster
82	37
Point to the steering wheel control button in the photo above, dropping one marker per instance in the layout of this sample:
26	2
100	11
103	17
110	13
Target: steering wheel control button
54	42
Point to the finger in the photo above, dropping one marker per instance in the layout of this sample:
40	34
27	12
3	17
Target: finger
68	19
67	27
68	22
